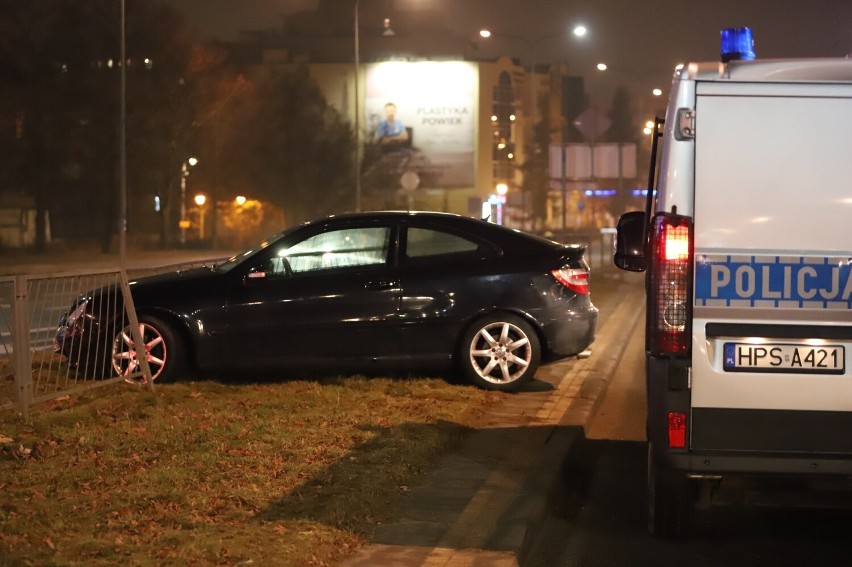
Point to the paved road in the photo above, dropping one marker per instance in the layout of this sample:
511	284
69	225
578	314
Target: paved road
599	517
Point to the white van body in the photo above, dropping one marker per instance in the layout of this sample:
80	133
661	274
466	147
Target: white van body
756	160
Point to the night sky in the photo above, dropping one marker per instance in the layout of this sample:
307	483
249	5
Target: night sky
642	38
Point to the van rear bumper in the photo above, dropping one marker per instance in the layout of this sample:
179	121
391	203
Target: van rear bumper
713	464
724	441
772	431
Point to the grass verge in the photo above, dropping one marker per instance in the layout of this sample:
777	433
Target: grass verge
204	473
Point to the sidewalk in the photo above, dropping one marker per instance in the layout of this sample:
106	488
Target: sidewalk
481	506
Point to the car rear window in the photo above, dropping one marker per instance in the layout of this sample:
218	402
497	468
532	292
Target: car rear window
430	243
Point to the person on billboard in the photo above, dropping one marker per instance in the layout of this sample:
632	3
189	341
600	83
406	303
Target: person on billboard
391	132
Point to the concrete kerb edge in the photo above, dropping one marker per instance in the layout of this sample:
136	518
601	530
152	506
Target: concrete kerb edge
545	485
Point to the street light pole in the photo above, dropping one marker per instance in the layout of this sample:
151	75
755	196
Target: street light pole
122	144
184	173
357	112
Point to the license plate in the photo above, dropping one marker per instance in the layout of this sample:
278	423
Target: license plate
811	359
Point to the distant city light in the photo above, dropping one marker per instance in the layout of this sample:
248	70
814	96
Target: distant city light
200	199
580	31
657	92
600	192
601	66
240	200
485	33
502	188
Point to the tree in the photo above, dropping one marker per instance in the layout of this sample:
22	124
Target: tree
292	148
65	57
623	128
49	47
184	108
623	131
272	137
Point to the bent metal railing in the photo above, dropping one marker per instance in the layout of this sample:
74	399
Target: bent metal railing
31	306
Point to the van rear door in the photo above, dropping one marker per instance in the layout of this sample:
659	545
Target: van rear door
772	327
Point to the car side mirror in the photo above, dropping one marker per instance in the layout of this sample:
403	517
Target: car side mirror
630	242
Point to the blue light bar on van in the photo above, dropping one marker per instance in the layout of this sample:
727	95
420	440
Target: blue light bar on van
737	44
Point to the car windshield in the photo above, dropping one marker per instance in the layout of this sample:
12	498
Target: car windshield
238	259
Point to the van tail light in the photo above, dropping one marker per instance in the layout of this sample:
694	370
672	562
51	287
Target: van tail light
677	430
575	279
670	287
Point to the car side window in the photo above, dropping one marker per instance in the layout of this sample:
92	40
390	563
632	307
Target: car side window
345	248
430	243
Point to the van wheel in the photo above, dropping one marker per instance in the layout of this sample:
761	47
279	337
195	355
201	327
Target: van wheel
671	500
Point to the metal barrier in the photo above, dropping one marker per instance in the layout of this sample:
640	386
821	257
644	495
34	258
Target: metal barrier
34	367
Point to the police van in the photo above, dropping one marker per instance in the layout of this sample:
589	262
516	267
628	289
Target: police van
746	241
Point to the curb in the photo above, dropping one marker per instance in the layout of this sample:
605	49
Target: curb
545	484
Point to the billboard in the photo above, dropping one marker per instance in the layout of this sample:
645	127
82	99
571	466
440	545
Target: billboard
420	117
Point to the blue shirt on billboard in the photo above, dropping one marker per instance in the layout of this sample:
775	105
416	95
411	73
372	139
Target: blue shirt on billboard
391	131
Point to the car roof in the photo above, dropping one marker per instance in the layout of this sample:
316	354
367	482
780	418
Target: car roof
481	226
399	214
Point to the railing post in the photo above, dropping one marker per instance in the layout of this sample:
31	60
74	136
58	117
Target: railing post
23	366
135	332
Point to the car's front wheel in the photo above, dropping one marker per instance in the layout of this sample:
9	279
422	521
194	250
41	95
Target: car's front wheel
500	352
163	350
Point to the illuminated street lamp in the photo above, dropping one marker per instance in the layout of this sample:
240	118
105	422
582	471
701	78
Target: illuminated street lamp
184	173
240	200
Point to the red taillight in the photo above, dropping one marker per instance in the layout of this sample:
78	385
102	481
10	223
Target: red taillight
675	243
670	293
677	430
575	279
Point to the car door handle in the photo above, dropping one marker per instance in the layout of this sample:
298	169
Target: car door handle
380	284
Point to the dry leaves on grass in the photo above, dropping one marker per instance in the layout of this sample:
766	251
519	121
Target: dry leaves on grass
209	473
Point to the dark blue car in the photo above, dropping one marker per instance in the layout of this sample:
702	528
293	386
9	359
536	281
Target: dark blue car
361	292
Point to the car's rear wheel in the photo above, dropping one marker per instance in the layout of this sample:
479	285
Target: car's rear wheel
163	350
500	352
